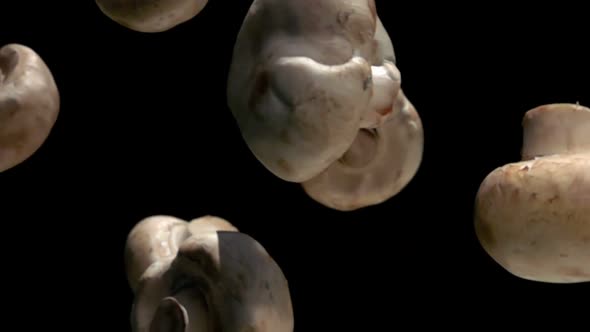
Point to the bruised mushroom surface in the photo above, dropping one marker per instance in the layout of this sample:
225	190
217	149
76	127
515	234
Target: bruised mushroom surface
317	96
29	104
151	16
204	275
533	216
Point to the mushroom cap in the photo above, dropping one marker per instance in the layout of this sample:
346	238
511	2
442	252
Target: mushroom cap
533	218
151	16
379	164
556	129
210	224
217	280
300	81
29	104
242	282
153	239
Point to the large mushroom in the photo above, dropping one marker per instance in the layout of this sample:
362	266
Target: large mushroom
204	276
533	216
151	16
29	104
317	96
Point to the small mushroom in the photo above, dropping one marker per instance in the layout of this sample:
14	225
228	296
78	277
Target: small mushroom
29	104
308	84
533	216
204	276
151	16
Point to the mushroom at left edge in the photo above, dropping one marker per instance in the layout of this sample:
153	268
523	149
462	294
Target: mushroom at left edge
29	104
203	275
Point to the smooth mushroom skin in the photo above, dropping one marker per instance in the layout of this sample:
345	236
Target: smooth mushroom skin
385	50
29	104
151	16
556	129
379	164
301	81
533	216
153	239
217	280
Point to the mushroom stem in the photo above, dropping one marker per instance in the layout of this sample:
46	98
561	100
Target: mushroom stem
386	86
363	150
556	129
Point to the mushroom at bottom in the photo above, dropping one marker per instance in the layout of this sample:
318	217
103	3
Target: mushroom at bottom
378	165
533	217
213	278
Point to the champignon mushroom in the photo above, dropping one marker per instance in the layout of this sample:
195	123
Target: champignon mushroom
533	216
309	85
204	275
151	16
29	104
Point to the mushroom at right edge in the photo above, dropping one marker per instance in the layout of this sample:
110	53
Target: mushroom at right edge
533	217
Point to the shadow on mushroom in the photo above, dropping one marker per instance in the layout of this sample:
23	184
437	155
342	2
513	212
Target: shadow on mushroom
533	216
151	16
29	104
204	276
316	94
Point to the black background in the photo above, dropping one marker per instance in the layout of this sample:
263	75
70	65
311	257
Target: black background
144	129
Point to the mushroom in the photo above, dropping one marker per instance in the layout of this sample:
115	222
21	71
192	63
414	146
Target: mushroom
151	16
204	275
29	104
317	97
533	217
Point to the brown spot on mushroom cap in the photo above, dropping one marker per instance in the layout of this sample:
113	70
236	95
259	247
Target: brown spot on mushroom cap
151	16
538	209
8	60
29	104
261	86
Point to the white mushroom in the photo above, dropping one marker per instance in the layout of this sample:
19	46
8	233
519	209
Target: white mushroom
29	104
204	276
307	79
151	16
533	216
